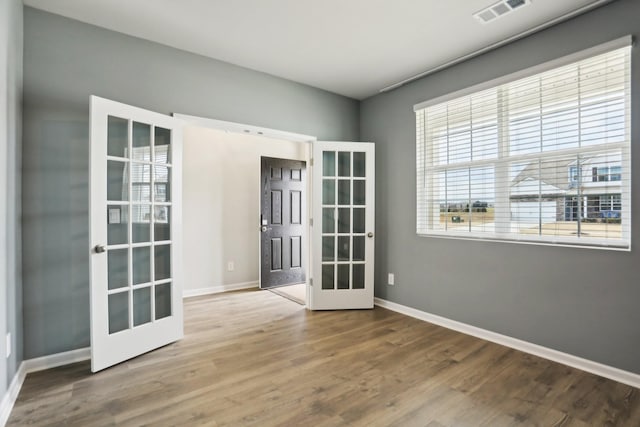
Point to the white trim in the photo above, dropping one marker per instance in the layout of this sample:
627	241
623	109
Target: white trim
557	241
9	398
35	365
243	128
596	368
55	360
188	293
540	68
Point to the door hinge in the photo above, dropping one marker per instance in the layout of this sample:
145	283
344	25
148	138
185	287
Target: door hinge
310	282
311	161
311	222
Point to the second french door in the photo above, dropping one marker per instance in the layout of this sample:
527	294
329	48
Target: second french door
343	225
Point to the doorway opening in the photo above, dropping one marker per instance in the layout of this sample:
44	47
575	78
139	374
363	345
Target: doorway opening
223	215
340	213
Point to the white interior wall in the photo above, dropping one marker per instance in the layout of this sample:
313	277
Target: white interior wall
221	204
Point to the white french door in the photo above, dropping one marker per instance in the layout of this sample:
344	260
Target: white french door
343	225
135	211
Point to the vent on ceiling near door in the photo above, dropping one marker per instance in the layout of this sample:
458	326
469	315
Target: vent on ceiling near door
499	9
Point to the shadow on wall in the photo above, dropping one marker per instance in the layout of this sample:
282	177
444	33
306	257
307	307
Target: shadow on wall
56	232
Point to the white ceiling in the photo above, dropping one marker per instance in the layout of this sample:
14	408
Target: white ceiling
350	47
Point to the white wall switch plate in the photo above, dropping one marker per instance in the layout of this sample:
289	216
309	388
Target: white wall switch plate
230	266
8	344
392	279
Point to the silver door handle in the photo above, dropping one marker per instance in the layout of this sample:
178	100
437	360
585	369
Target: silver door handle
99	249
263	228
369	234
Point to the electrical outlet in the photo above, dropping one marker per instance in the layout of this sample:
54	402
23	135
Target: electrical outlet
8	344
392	279
230	266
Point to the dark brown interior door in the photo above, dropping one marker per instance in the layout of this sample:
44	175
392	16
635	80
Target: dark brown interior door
282	222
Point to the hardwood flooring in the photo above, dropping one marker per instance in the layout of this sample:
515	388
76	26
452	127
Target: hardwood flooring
257	359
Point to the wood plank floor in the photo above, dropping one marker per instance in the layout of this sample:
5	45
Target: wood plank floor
257	359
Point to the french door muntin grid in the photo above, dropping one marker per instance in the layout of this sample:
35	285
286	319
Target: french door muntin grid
339	168
154	159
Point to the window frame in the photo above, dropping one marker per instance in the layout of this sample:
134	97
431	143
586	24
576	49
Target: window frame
424	194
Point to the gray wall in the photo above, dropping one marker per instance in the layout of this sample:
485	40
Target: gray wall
10	138
580	301
65	61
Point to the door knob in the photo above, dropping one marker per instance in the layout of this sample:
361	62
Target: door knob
99	249
263	228
369	234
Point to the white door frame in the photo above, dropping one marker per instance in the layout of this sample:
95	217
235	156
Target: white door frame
283	136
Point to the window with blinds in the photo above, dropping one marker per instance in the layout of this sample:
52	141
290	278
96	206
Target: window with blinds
545	158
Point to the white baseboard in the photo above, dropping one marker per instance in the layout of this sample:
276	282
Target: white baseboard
188	293
596	368
55	360
9	399
35	365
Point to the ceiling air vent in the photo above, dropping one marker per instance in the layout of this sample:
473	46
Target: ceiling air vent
499	9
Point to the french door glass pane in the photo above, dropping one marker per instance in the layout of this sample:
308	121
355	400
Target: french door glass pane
328	248
328	163
117	225
162	145
343	220
141	306
344	163
163	300
358	276
344	192
358	192
141	142
141	265
329	192
358	220
359	162
141	223
117	182
343	276
162	260
117	136
162	178
328	220
358	248
328	276
118	312
161	223
118	268
140	182
343	248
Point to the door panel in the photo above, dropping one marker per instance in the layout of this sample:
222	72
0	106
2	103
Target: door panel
283	207
344	220
136	287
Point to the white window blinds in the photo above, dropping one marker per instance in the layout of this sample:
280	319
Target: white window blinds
544	158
